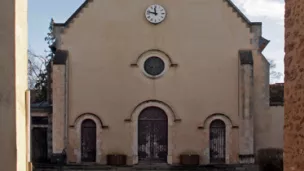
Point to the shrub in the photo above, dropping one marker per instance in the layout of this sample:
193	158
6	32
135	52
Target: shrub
270	159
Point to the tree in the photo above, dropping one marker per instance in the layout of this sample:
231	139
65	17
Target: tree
50	39
274	75
37	67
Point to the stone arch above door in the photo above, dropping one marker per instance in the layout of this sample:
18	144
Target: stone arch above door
172	116
217	116
89	116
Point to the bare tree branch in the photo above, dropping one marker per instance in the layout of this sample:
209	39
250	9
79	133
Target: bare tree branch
274	75
36	66
38	75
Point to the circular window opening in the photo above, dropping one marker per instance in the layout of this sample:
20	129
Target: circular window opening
154	66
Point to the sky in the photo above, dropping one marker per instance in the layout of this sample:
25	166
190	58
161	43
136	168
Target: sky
270	12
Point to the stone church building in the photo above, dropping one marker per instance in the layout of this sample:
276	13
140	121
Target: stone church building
154	79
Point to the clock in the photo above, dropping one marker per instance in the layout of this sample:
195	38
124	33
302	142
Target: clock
155	14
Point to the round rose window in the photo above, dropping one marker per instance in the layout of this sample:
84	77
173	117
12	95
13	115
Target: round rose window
154	66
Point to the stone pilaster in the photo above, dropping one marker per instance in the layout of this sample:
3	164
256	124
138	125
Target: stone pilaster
246	144
262	118
59	102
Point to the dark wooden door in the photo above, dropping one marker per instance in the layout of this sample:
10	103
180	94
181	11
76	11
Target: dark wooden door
153	135
88	141
217	141
39	145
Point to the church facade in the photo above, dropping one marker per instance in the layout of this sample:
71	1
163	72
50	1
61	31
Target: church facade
155	79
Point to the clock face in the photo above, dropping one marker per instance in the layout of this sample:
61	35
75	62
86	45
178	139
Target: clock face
155	14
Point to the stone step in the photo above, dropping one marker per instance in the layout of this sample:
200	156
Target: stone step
146	168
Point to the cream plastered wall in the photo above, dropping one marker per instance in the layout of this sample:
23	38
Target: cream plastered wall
277	126
7	92
13	85
201	38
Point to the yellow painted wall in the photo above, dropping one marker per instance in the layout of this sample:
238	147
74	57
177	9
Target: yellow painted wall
13	73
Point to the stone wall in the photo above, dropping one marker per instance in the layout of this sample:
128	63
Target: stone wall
151	167
294	86
58	115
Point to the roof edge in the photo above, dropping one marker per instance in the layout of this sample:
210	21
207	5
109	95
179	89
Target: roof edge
239	12
256	23
242	15
73	15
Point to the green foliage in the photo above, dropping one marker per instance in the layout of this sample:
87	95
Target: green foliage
41	87
270	159
50	39
41	84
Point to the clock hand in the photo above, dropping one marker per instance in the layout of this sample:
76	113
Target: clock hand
155	10
152	13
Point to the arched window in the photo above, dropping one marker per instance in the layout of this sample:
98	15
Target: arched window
88	141
217	137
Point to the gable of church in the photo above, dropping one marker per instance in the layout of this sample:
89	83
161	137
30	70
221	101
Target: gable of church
86	3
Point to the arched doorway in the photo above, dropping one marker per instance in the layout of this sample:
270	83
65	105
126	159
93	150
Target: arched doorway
88	141
217	137
152	135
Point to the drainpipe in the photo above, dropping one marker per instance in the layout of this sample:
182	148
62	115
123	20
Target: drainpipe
66	107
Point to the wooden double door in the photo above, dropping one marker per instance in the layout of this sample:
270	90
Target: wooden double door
39	146
152	135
